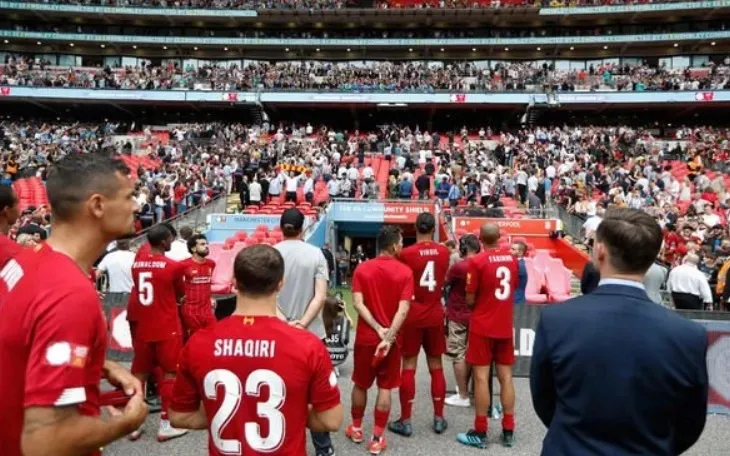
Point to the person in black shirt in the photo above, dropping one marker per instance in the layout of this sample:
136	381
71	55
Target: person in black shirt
590	278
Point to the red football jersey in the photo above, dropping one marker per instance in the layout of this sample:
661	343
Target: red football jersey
133	302
492	275
383	282
429	262
197	278
256	377
158	282
52	339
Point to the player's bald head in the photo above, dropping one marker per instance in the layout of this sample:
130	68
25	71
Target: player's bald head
489	234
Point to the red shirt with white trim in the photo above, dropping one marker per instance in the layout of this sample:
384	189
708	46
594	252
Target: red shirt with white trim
158	281
429	262
492	275
133	302
256	377
52	339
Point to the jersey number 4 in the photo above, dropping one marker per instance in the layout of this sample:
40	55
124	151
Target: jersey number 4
233	394
428	277
145	292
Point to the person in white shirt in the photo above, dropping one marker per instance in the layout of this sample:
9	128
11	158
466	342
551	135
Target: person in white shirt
118	267
309	189
367	172
275	187
179	247
689	286
290	186
254	192
709	217
591	225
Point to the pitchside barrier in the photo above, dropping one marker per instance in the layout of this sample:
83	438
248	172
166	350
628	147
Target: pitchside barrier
525	323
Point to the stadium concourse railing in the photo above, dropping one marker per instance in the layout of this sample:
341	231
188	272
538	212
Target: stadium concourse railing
196	217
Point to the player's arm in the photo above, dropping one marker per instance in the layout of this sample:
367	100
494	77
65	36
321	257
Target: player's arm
56	377
403	306
188	420
62	431
359	304
186	410
179	280
320	292
325	410
472	283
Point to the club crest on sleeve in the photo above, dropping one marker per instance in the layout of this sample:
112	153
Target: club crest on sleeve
66	354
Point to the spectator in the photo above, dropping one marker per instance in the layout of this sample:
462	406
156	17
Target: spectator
689	287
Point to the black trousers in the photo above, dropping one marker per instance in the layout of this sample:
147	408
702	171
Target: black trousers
687	301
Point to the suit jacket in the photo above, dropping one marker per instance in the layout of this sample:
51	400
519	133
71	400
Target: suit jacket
614	374
519	297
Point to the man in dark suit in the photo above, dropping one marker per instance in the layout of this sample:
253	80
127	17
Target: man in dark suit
590	278
612	373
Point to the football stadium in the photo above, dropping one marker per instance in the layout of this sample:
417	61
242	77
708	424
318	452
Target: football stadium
329	122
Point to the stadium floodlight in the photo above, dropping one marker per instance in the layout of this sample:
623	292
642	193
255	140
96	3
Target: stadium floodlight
713	43
572	48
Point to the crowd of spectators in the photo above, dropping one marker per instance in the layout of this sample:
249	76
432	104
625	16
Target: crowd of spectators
338	4
680	179
369	77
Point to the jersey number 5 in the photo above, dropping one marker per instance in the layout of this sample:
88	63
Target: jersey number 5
232	396
428	277
504	275
146	292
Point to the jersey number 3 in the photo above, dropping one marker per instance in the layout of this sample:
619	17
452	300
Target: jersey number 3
233	394
504	276
428	277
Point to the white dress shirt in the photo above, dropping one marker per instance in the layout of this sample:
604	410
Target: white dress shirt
178	250
118	266
687	278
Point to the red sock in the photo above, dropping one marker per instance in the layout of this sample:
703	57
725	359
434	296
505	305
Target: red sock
357	414
381	420
165	387
508	422
407	393
438	391
480	423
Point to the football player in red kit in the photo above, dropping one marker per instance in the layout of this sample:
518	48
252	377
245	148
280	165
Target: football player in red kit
424	326
197	309
382	289
491	280
262	382
158	337
52	327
